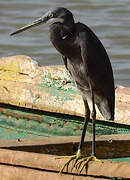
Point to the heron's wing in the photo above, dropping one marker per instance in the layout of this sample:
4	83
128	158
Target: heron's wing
98	72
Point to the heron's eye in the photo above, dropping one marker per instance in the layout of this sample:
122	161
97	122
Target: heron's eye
50	15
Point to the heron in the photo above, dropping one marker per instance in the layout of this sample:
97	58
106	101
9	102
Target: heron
88	63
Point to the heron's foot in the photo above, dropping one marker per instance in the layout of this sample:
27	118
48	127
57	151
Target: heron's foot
72	159
83	162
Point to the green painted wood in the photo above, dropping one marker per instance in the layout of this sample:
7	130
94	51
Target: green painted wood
125	159
18	122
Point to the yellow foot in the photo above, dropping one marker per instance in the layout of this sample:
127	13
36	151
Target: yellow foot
83	162
74	159
78	161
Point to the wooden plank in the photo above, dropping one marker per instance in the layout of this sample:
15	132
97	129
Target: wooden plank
108	146
42	162
15	173
30	123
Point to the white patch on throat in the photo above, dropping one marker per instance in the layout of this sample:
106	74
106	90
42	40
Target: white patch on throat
64	37
55	20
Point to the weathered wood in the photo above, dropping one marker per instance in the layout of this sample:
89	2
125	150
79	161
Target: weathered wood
111	146
42	162
15	173
23	83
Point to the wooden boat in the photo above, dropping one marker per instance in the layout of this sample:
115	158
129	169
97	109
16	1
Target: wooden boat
36	158
39	103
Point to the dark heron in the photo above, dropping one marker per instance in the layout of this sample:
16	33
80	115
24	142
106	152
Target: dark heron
87	61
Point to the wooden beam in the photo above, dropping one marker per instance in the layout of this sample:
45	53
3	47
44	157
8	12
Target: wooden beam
108	146
16	164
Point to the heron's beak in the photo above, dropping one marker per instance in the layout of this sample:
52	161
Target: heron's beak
37	22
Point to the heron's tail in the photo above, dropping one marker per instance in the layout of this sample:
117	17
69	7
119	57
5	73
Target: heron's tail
107	108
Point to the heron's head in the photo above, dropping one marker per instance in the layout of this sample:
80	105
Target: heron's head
58	15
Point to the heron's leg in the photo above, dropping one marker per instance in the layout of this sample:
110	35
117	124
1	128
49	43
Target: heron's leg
84	161
78	155
93	121
87	117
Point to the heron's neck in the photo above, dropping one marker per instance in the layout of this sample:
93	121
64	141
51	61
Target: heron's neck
57	34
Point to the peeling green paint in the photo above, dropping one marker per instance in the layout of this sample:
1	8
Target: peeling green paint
47	80
16	122
58	92
60	88
34	97
125	159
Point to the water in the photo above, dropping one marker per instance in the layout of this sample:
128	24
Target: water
110	20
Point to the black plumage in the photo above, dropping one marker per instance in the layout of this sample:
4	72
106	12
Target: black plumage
87	61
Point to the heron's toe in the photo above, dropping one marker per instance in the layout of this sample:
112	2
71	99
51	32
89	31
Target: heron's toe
82	163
